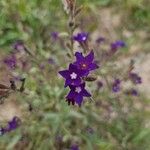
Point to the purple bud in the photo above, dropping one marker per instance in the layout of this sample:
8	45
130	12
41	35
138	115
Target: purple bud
51	61
10	61
116	86
135	78
54	36
19	45
13	124
134	92
81	37
116	45
74	147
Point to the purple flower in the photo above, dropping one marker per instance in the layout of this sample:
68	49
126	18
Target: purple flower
51	61
19	45
85	63
116	86
13	124
77	93
135	78
10	61
134	92
54	35
72	75
81	37
118	44
74	147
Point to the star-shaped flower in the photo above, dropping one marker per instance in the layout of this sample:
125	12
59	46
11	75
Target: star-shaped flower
77	93
85	63
72	75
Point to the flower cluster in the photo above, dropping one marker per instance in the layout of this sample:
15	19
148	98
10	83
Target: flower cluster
74	77
12	125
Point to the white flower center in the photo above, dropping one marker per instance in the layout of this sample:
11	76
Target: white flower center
78	89
73	75
84	38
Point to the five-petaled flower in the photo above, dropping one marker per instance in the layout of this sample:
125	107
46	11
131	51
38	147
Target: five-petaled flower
86	63
72	75
77	93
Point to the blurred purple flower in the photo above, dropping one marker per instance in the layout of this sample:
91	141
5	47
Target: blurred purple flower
72	75
100	40
81	37
19	45
85	63
134	92
51	61
77	93
135	78
116	86
10	61
13	124
54	35
74	147
116	45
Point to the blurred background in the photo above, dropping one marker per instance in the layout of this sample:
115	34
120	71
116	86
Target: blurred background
52	124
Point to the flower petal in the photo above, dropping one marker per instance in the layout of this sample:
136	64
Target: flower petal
64	73
79	56
90	57
93	66
86	93
79	99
